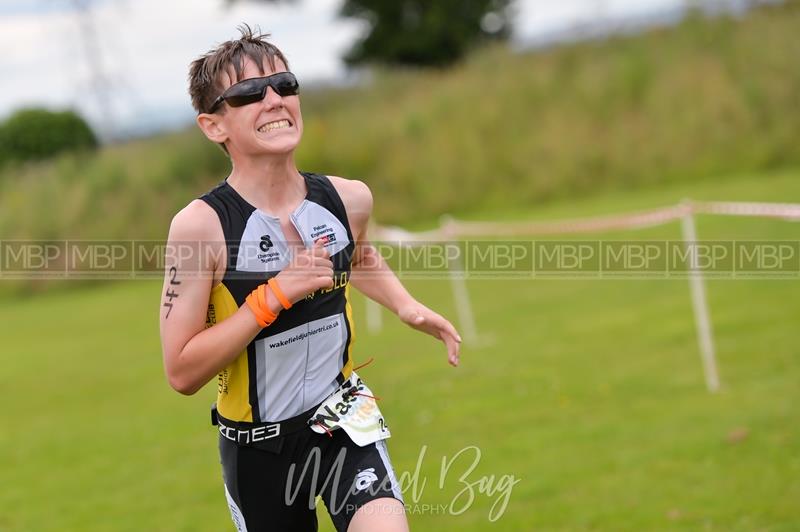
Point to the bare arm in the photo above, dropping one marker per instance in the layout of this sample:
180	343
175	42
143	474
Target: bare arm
376	280
192	353
373	277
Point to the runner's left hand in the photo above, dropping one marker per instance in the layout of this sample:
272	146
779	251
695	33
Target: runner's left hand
424	319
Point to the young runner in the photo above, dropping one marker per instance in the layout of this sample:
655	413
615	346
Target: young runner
256	294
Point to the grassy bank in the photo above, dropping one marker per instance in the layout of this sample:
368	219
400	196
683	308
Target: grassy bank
703	100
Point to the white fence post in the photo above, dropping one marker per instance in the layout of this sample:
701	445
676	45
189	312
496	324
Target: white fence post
373	309
374	317
697	288
457	282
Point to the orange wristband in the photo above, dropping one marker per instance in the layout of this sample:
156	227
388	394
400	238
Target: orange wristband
261	294
257	301
252	302
276	289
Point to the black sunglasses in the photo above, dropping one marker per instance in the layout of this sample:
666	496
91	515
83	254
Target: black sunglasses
254	89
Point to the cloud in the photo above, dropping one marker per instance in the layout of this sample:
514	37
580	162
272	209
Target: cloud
537	17
25	7
141	51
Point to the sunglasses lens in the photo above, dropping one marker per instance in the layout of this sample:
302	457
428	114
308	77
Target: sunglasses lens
242	99
245	92
285	84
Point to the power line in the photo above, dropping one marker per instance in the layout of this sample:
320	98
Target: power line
100	85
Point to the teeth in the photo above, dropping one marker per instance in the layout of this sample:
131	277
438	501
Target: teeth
278	124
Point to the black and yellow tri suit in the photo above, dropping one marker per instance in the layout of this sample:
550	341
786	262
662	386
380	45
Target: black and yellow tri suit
303	356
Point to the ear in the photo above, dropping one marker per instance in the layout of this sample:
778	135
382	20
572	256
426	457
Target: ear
213	127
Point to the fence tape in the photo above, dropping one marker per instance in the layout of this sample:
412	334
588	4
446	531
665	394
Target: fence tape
452	228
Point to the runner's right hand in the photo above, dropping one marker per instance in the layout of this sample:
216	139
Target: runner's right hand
310	269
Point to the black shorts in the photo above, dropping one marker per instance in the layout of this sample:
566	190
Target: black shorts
275	487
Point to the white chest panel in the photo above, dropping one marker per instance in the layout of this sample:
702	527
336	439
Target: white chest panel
263	247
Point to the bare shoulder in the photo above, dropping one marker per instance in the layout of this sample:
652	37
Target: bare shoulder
195	235
197	221
356	196
357	199
354	193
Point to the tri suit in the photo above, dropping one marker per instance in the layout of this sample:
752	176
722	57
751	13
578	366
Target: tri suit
287	370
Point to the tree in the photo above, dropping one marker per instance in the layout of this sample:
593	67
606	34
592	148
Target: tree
421	32
34	133
425	33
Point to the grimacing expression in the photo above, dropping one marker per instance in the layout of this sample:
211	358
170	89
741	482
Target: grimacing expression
272	124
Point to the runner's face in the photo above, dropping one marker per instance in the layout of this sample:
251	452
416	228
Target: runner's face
273	125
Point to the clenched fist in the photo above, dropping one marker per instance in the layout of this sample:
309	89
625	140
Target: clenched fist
310	269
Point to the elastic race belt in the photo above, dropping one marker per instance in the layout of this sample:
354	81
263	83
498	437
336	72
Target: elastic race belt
247	433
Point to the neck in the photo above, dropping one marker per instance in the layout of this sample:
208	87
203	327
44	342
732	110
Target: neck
272	184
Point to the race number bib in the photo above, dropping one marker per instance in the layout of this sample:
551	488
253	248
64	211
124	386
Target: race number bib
350	409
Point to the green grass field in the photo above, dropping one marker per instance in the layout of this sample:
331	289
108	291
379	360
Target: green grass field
590	393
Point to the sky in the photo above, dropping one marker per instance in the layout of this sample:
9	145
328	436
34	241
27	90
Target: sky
138	51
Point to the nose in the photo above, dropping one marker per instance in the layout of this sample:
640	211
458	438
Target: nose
272	99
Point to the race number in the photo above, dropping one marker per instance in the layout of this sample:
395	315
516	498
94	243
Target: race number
352	408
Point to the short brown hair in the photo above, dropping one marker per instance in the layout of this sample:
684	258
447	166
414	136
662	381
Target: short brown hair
205	72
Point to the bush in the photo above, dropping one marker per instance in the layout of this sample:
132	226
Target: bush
31	134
